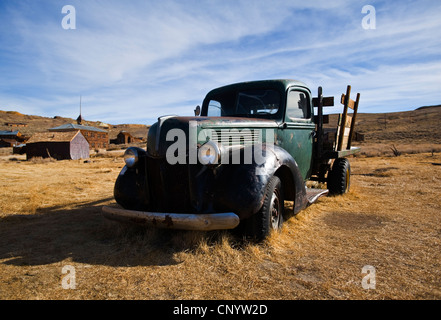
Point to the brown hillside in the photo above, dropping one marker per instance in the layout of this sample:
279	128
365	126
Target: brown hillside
420	125
42	124
409	131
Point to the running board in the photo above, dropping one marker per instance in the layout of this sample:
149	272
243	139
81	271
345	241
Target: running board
313	194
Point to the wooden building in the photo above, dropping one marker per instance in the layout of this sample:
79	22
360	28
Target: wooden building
19	149
16	135
125	137
8	143
16	124
97	138
58	145
11	138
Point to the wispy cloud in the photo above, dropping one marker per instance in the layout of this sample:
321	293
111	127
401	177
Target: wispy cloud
134	61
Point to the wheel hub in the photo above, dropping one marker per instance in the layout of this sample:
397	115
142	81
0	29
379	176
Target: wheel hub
275	211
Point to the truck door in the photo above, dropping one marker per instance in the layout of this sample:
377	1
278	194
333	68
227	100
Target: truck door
298	132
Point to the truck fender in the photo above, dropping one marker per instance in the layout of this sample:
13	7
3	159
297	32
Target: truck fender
131	190
241	188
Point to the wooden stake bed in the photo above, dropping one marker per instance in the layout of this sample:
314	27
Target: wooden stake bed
327	146
346	123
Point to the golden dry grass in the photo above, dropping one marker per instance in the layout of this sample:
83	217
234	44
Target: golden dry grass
50	217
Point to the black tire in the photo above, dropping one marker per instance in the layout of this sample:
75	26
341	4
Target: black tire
339	178
270	215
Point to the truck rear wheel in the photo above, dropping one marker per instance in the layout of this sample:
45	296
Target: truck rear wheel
339	178
270	215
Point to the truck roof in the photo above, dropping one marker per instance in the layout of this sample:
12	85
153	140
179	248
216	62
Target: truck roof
280	84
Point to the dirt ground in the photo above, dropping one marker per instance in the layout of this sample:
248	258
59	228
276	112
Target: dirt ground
380	241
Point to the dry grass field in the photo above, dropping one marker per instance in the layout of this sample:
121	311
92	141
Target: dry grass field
50	218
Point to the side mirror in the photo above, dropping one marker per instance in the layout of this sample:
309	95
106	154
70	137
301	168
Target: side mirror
197	111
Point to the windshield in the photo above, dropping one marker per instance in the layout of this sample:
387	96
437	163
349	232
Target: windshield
246	103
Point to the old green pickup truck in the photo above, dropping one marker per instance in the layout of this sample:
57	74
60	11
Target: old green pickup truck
250	147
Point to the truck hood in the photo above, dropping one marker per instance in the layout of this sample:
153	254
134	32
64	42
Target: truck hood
157	143
231	122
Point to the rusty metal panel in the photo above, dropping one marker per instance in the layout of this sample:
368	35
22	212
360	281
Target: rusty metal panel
204	222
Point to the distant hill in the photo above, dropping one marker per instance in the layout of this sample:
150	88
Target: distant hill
30	124
422	125
426	107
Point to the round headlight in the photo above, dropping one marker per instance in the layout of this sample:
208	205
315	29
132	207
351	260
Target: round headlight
131	157
209	153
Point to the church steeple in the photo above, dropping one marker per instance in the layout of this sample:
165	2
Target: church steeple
80	118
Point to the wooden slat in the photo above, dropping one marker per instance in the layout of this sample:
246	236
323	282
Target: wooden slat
348	121
357	101
345	99
327	102
325	118
346	131
351	103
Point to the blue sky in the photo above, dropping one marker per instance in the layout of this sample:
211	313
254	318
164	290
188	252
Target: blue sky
133	61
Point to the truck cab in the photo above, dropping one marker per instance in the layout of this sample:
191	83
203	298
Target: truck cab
287	102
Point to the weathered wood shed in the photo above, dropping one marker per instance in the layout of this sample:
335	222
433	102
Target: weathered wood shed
58	145
16	124
10	138
125	137
6	143
97	138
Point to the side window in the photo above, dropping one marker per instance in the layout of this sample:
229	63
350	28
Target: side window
297	106
214	109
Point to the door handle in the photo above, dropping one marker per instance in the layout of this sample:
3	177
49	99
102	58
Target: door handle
282	125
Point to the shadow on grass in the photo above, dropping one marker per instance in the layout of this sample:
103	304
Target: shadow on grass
83	235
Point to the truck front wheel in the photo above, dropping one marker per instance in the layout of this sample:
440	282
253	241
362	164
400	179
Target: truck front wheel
270	215
339	178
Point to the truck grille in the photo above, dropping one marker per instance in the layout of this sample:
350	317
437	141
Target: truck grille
169	186
232	137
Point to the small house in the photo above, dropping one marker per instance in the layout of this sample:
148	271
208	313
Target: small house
125	137
97	138
16	135
58	145
10	138
8	143
16	124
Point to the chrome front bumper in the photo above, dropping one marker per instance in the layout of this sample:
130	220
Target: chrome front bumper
184	221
